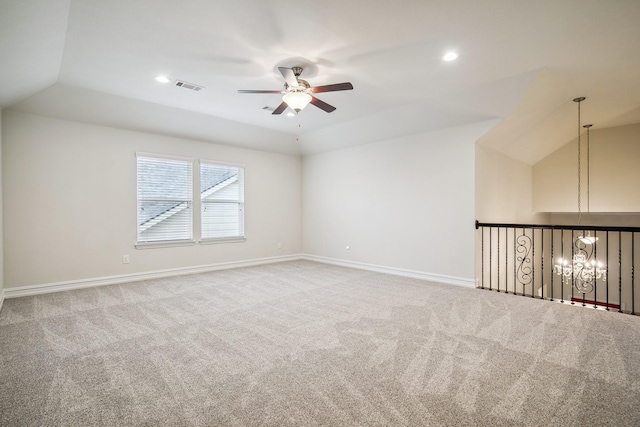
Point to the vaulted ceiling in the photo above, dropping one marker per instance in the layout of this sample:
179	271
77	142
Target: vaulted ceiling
521	63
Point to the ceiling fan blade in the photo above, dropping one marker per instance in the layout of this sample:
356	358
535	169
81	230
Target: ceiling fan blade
332	88
260	91
289	76
322	105
280	108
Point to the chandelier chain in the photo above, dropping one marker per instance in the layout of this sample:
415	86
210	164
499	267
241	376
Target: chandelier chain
588	172
579	169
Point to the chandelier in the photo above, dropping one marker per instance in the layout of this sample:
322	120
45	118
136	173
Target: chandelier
582	269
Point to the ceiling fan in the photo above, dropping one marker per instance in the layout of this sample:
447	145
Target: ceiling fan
297	92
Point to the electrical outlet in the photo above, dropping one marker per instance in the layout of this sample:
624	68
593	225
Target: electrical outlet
125	259
279	245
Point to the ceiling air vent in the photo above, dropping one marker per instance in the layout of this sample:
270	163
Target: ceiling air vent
189	86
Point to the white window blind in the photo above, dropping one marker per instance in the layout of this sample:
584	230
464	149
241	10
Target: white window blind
221	201
165	199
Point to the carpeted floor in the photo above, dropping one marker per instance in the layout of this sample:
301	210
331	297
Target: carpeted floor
306	344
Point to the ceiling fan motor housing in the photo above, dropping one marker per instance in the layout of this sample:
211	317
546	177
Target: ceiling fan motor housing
303	86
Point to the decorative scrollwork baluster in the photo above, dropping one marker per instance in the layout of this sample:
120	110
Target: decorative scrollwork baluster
523	248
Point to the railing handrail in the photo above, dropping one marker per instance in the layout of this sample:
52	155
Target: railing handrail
559	227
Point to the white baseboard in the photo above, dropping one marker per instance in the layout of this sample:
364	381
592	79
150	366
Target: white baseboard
431	277
124	278
45	288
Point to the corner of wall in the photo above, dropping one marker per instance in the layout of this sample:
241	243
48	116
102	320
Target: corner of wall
504	188
402	272
1	222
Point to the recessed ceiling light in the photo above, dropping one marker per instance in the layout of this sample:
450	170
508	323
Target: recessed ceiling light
291	114
450	56
163	79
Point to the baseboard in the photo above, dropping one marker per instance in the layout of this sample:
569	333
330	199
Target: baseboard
135	277
599	303
431	277
45	288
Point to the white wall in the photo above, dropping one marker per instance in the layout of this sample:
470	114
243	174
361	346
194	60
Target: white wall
503	189
406	203
70	198
615	174
1	221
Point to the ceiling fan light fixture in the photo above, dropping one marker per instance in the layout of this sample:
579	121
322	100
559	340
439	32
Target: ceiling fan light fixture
297	100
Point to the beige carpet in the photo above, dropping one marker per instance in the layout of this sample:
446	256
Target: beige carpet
306	344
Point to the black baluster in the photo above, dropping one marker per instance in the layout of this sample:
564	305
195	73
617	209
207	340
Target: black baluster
551	273
506	261
542	263
619	272
607	281
583	294
482	256
595	267
498	258
561	267
515	280
490	252
573	279
633	281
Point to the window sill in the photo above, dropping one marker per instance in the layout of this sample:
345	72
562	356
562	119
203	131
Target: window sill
164	244
223	240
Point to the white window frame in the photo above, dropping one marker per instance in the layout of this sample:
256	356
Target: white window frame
144	244
239	200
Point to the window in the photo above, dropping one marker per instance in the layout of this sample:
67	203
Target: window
221	201
165	199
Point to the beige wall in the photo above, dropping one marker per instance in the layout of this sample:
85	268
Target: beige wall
405	203
615	174
597	219
503	189
70	199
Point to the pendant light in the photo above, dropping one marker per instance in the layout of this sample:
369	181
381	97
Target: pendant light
588	239
582	269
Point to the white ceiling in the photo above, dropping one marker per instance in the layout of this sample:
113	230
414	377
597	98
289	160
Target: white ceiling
521	63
